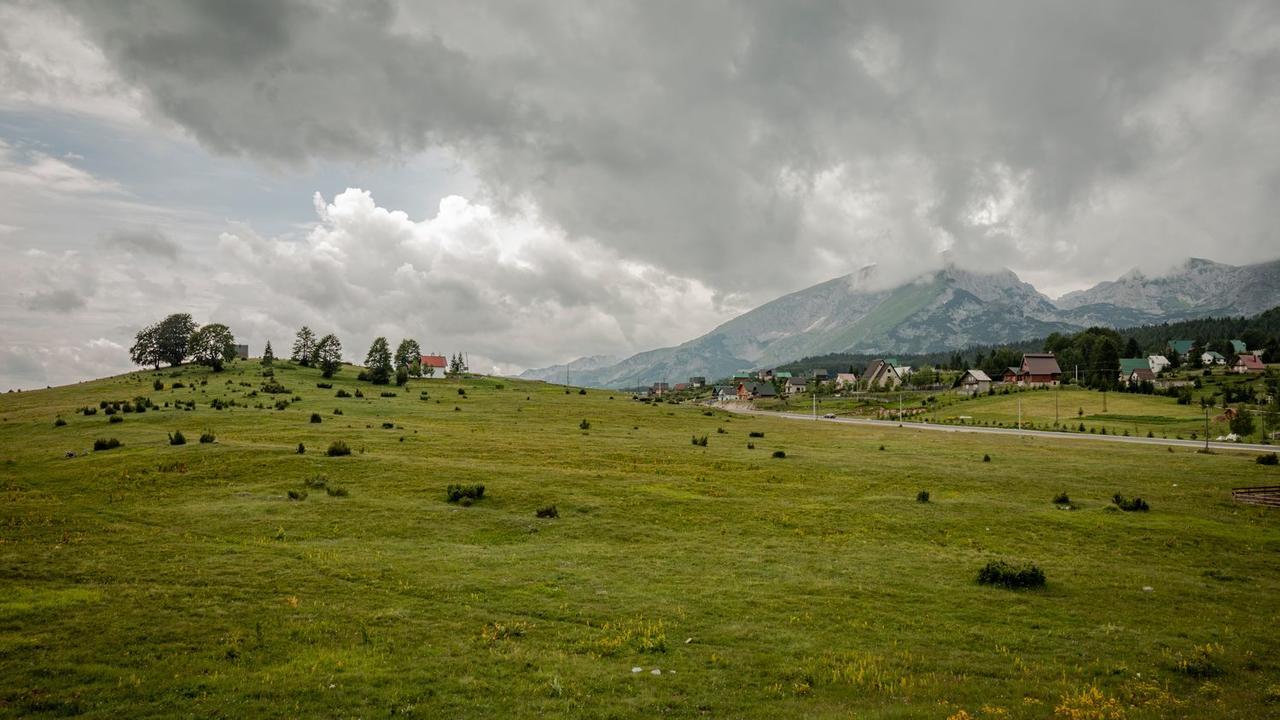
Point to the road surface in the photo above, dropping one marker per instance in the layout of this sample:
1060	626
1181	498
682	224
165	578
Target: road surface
1195	444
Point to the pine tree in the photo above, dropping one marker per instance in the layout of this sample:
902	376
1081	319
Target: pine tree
268	357
304	346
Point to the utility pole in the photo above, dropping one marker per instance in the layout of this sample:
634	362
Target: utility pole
1104	398
899	404
1019	413
1206	428
1057	390
1077	374
815	401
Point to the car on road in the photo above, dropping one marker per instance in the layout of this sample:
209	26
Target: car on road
830	416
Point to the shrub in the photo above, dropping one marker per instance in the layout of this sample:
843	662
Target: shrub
387	393
582	391
986	458
177	386
158	384
177	438
302	449
1204	661
755	434
298	495
584	425
109	410
89	411
316	481
337	411
59	422
207	437
333	491
106	444
274	387
115	419
315	417
388	426
922	496
1267	459
324	385
462	392
1061	499
457	493
342	393
700	441
779	454
881	448
549	511
751	446
281	404
337	448
1014	577
721	431
1135	504
358	393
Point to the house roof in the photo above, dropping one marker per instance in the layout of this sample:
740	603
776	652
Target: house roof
435	361
1040	364
782	375
1250	362
1011	371
1142	373
1182	347
1128	365
1238	346
977	375
847	376
796	382
1214	354
762	389
1157	360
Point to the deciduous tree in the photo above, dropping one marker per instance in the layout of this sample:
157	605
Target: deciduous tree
378	362
213	345
328	355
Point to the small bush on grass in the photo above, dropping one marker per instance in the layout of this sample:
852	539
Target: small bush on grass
1061	499
298	495
1014	577
89	411
700	441
324	385
315	417
342	393
302	449
549	511
922	496
316	481
177	386
281	404
177	438
751	446
388	426
106	444
337	411
1267	459
721	431
1204	661
779	454
755	434
986	458
59	422
207	437
275	388
158	384
109	410
333	491
387	393
465	494
582	391
584	425
462	392
338	448
1134	504
358	393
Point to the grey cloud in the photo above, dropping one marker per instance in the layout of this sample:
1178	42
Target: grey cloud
148	242
59	301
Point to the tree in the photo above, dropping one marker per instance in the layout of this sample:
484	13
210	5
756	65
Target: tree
213	345
172	337
328	355
146	348
1131	349
1242	424
304	346
408	353
378	362
457	365
268	356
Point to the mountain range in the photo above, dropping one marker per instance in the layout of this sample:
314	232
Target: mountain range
950	308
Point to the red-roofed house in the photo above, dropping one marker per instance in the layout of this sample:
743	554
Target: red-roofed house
1248	363
436	362
1039	369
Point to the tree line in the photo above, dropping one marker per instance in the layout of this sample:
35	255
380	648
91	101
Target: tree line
178	338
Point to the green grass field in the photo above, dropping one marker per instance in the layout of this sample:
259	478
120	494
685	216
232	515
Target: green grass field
159	580
1118	412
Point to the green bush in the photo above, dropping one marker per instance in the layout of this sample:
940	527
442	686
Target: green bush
342	393
387	393
388	426
584	425
298	495
106	444
59	422
459	493
275	388
1014	577
986	458
315	417
1267	459
922	496
334	491
549	511
358	393
582	391
316	481
1204	661
755	434
115	419
302	449
1135	504
324	385
779	454
89	411
207	437
1061	499
177	438
751	446
700	441
337	448
157	385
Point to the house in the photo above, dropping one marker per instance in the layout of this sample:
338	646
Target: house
820	374
742	375
782	375
1248	363
974	382
1182	347
795	385
1128	365
749	390
681	387
697	381
242	352
659	389
726	392
1212	358
1010	375
1158	363
1138	375
437	364
844	380
1238	347
765	375
904	370
881	374
1039	369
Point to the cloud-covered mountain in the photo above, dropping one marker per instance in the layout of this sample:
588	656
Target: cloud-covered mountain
949	308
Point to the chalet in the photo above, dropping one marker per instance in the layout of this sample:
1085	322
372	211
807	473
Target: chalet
1039	369
820	375
437	364
1212	358
242	352
697	381
974	382
846	380
749	390
742	375
795	385
1238	347
1010	375
726	392
1128	365
1158	363
1182	347
782	375
1248	363
1139	375
765	375
881	374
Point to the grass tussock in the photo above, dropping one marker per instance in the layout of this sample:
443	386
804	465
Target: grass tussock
1015	577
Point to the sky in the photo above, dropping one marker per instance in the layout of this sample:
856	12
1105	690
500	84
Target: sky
530	182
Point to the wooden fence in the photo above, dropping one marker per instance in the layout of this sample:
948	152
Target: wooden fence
1268	495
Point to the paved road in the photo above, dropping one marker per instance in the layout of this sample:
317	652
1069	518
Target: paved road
1011	431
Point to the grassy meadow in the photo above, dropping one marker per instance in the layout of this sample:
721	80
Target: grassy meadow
182	580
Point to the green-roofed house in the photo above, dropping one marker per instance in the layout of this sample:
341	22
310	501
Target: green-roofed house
1128	365
1213	358
1238	347
1182	347
782	375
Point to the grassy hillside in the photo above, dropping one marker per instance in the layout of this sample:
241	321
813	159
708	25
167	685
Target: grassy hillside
153	579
